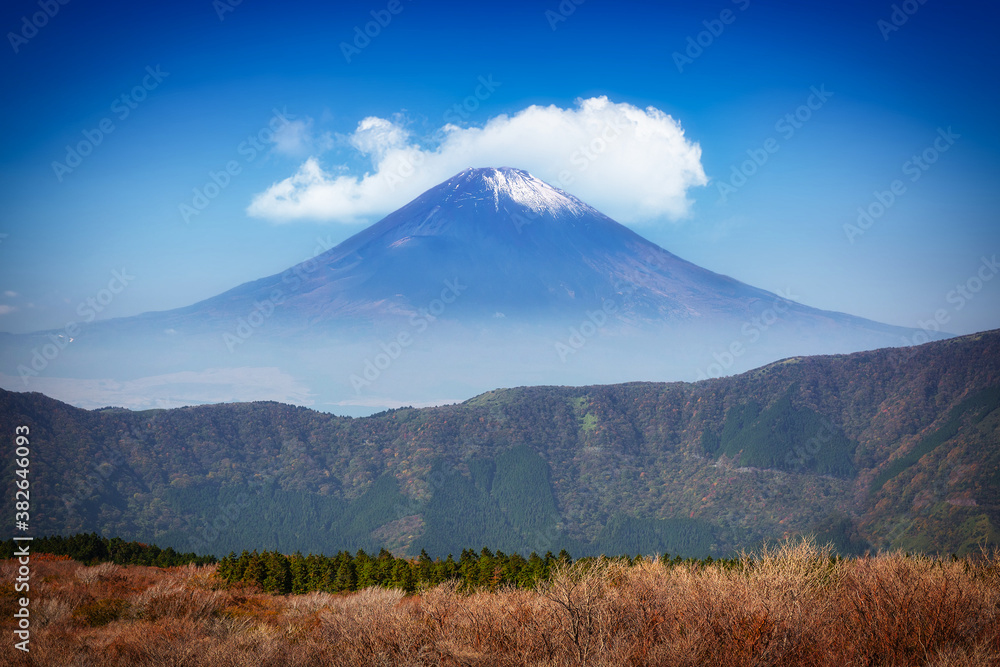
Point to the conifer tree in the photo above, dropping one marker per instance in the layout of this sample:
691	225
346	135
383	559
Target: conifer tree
402	576
346	579
366	574
300	574
256	571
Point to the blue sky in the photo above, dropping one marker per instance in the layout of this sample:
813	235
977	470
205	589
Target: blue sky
199	80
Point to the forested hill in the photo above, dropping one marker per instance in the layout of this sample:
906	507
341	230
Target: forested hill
895	448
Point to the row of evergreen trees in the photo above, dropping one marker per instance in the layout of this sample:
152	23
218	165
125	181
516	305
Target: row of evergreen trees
296	574
278	573
91	548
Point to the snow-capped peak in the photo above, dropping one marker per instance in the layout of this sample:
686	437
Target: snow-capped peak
516	185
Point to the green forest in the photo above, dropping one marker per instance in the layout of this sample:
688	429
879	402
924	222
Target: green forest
274	572
871	450
91	549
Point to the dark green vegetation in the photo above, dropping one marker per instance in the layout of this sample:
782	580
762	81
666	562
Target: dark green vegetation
297	574
891	448
782	436
92	549
280	573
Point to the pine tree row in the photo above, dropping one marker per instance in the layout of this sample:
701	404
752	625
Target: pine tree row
297	574
91	548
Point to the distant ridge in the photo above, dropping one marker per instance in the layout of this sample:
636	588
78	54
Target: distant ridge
893	448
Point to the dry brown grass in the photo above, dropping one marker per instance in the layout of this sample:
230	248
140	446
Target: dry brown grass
789	606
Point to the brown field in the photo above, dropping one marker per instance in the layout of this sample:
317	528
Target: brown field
793	606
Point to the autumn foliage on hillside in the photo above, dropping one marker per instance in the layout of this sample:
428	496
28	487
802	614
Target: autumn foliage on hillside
793	605
888	449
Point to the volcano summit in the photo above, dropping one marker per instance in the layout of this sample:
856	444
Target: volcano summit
492	278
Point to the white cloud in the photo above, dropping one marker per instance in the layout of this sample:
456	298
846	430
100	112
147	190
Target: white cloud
632	164
10	293
296	138
6	310
377	137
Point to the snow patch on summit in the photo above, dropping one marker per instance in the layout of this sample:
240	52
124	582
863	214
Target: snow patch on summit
522	188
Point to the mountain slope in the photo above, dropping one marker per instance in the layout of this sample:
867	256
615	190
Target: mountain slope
522	247
886	448
492	278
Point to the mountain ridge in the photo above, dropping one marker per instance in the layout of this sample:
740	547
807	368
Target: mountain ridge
890	448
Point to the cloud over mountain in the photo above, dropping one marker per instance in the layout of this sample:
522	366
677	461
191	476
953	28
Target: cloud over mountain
633	164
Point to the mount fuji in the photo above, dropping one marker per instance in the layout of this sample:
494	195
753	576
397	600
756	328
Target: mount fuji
492	278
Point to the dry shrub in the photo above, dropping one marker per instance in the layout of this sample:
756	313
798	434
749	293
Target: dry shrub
372	628
508	627
909	608
8	569
579	598
50	610
257	607
175	599
979	655
60	645
787	606
168	641
100	612
440	604
197	576
771	610
99	572
310	603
